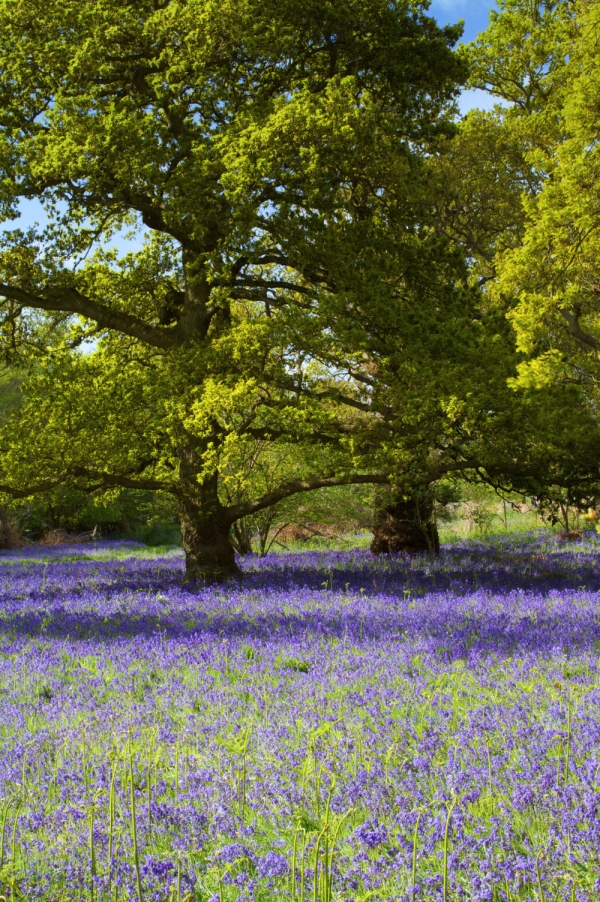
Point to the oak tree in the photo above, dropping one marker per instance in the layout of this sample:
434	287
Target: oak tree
272	159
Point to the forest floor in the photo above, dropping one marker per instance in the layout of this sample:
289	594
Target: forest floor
331	727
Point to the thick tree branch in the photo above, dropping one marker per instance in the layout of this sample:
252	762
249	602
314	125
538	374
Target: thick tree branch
102	480
110	480
69	300
296	486
236	511
153	218
577	332
248	282
44	486
328	394
366	380
315	436
248	294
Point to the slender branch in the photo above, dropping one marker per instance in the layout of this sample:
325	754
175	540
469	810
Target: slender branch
331	394
69	300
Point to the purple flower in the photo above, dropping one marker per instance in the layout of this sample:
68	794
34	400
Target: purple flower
473	677
234	852
273	864
157	867
372	834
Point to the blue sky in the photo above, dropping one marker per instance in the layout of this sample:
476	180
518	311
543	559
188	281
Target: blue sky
475	14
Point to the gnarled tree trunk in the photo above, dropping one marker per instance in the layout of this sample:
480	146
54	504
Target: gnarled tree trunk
205	525
406	524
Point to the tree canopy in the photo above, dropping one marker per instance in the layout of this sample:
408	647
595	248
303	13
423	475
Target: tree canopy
510	195
548	276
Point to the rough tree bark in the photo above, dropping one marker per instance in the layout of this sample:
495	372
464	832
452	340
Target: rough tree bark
209	554
205	526
406	524
5	530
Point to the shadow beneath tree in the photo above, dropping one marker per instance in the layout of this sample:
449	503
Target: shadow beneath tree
458	605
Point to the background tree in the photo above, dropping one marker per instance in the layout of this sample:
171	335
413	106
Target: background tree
258	467
491	177
542	60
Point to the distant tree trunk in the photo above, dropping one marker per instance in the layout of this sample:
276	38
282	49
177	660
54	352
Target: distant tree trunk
10	535
205	525
406	524
564	509
5	531
125	521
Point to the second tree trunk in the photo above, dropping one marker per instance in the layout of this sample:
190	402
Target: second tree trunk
406	524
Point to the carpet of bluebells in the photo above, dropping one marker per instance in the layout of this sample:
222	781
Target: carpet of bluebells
332	727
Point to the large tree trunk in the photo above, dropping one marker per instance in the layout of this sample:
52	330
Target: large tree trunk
406	524
205	526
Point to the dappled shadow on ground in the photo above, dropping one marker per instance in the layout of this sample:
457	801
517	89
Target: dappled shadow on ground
542	565
473	599
452	632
